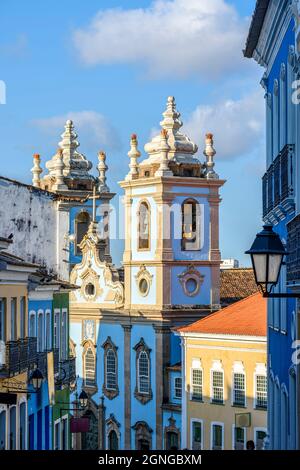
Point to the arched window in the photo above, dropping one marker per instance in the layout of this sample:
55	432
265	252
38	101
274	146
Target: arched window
32	325
82	223
190	225
144	215
89	368
143	391
113	441
40	331
143	373
110	386
12	428
23	317
111	372
22	425
48	330
3	430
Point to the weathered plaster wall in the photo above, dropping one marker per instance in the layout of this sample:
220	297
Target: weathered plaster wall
30	215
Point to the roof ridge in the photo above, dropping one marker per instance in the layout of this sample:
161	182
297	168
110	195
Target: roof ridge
219	312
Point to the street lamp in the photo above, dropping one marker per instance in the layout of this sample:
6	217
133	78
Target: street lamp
36	379
267	254
83	399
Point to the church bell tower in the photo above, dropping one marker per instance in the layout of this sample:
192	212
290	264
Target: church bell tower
172	258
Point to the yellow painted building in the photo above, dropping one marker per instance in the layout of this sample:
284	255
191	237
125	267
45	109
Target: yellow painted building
14	348
225	378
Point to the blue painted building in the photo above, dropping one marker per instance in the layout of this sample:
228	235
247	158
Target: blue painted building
273	42
48	322
127	355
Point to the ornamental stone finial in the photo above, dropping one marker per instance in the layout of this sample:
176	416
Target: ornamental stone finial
164	148
102	169
210	152
133	154
36	170
59	171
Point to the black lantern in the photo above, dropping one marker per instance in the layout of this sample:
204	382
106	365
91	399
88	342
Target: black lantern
36	379
267	254
83	399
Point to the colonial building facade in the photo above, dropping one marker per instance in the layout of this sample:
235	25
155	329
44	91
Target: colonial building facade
224	371
126	352
273	42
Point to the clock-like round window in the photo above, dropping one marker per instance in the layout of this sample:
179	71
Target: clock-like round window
191	286
144	286
90	290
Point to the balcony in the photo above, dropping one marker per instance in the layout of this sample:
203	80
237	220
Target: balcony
278	187
66	372
20	356
293	249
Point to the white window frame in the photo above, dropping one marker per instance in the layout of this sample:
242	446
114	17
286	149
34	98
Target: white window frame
3	314
233	436
276	116
283	105
111	373
260	370
255	430
57	421
238	368
139	376
56	329
48	332
22	317
17	433
4	409
40	334
22	400
283	301
32	314
192	384
177	388
217	367
212	424
64	333
14	319
196	420
64	420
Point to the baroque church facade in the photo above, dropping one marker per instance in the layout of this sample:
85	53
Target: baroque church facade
61	199
122	333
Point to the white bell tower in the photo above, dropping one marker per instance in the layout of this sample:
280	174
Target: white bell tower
171	258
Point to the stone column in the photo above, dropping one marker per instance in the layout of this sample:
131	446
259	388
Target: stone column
127	386
214	252
162	357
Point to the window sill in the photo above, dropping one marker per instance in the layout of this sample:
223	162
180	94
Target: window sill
236	405
197	400
261	408
217	403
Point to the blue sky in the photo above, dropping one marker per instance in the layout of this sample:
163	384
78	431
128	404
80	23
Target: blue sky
111	64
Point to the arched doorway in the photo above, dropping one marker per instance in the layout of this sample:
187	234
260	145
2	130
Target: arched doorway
90	438
113	441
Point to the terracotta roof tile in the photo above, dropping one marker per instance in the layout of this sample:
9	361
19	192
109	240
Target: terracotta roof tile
248	317
236	284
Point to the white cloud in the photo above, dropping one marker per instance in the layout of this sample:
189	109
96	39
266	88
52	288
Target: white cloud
238	126
92	127
172	38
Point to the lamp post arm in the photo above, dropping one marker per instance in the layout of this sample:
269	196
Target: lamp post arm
281	296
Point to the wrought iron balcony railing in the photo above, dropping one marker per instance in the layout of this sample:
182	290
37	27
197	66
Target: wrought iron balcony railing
67	371
20	356
277	182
